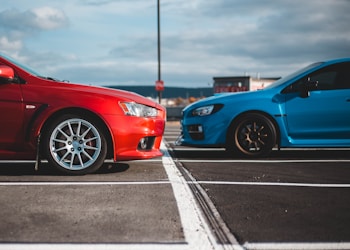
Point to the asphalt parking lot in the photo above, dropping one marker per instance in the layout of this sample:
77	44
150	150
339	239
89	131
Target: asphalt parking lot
189	199
123	205
295	198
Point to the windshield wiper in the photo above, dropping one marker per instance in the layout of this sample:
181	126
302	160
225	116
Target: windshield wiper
53	79
49	78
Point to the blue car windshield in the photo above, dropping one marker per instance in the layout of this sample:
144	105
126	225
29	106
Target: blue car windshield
24	67
291	76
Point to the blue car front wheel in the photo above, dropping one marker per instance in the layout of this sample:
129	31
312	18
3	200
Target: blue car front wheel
252	135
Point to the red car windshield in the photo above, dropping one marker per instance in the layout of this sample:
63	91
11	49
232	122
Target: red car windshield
20	65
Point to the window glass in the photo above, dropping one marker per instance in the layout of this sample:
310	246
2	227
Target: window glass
325	80
330	78
343	77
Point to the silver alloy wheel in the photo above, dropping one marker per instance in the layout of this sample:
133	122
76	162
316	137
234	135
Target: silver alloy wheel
75	144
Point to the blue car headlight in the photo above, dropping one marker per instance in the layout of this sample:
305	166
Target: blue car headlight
206	110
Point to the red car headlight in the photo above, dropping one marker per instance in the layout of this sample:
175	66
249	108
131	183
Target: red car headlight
137	109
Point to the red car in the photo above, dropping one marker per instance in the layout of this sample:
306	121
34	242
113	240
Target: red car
75	127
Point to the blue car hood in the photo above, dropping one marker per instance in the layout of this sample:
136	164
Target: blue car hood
223	98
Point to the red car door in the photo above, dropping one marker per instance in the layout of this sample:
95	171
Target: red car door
11	120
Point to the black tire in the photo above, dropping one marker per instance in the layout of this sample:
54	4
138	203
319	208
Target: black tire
252	135
74	144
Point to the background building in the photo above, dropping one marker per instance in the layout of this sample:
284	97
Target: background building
241	83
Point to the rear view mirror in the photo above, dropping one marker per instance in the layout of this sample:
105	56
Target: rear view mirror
6	73
312	84
303	90
306	87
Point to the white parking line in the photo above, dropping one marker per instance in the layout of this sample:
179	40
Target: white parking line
106	161
248	246
172	136
160	182
197	232
87	183
77	246
286	184
195	149
263	161
297	246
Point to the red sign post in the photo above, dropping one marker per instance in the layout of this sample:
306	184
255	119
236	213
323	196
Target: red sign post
159	85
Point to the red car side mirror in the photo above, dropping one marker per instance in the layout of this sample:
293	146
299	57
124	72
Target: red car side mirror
6	72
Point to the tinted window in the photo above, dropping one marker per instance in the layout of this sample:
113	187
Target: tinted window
330	78
325	80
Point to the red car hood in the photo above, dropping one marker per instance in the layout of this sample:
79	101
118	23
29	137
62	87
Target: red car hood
129	96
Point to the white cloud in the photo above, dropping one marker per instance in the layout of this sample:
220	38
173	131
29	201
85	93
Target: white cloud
7	45
47	18
29	22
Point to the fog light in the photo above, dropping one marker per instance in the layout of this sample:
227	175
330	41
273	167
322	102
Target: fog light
197	128
143	143
146	143
196	131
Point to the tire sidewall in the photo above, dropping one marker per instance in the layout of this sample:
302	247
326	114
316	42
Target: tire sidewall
46	145
233	145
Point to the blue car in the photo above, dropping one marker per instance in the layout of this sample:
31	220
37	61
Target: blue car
309	108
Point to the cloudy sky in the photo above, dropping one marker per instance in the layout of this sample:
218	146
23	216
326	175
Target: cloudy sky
114	42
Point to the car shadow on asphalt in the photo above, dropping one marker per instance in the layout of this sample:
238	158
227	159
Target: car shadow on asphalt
28	169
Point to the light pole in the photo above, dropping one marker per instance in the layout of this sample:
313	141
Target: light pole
159	88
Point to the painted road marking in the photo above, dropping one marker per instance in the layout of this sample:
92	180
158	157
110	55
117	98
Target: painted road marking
297	246
197	232
262	161
101	183
84	183
286	184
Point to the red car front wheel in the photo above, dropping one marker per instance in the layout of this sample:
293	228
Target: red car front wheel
75	145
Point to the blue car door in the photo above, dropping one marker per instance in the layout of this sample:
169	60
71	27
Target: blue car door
323	117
